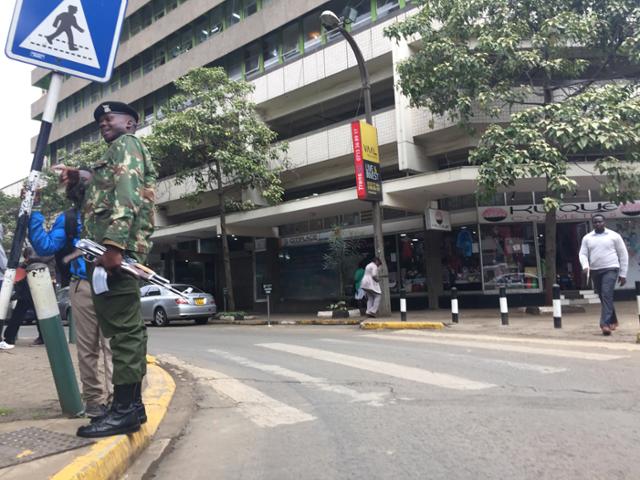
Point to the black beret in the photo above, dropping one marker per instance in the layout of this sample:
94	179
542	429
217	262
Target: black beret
114	107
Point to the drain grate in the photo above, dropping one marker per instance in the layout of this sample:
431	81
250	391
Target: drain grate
30	443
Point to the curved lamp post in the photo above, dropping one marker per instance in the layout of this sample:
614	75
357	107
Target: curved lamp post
332	22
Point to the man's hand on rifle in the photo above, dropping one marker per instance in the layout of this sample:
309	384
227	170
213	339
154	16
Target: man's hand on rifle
111	259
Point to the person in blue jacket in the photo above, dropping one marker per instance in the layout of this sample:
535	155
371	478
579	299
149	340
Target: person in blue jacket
97	389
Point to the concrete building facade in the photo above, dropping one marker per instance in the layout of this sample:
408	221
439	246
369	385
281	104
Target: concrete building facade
307	88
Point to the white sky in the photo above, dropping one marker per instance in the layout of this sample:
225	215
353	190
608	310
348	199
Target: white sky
16	97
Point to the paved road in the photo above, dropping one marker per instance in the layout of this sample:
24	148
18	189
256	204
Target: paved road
339	403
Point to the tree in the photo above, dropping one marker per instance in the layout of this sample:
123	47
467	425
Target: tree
212	137
342	256
548	57
9	206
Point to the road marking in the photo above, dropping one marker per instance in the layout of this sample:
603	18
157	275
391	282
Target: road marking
531	367
261	409
501	347
393	370
630	347
374	399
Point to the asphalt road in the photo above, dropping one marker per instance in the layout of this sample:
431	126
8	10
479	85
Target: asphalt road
339	403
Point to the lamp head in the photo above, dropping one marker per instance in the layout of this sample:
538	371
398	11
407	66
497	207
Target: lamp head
329	19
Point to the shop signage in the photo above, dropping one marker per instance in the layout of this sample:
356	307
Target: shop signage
437	220
267	288
367	161
308	239
566	211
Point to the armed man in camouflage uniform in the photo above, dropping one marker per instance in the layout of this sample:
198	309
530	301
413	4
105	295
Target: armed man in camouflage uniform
118	209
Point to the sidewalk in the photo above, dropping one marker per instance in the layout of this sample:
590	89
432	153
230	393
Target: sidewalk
50	449
28	398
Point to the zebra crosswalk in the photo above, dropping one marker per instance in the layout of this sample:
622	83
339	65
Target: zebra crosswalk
453	369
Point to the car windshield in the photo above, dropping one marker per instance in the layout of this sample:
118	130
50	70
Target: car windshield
184	288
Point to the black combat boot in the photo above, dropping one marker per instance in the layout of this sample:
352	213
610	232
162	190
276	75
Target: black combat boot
122	418
142	412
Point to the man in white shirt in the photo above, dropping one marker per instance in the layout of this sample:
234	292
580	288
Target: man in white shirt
371	286
604	256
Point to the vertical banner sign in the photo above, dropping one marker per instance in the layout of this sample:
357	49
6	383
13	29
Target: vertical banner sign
366	158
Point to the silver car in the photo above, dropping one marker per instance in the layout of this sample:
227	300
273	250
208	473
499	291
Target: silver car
160	306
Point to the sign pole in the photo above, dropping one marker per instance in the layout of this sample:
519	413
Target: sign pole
29	193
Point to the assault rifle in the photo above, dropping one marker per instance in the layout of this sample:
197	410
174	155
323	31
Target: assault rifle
91	250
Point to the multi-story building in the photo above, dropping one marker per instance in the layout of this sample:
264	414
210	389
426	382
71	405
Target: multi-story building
307	88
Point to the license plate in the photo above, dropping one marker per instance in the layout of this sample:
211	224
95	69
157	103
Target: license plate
199	301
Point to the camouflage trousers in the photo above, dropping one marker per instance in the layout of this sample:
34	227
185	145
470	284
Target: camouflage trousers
120	318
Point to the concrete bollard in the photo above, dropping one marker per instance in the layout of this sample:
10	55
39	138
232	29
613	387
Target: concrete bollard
504	306
557	307
403	305
64	376
638	303
454	305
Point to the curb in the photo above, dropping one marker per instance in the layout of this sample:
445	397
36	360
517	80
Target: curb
327	321
394	325
109	458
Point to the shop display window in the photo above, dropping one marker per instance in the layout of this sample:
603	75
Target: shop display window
412	262
461	259
302	276
509	256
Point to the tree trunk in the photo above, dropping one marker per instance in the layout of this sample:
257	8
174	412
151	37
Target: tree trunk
550	255
226	257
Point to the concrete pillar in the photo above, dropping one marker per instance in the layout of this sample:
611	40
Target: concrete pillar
433	266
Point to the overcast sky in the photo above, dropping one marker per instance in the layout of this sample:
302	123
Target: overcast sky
16	97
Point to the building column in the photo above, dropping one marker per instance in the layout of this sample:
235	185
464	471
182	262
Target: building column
433	266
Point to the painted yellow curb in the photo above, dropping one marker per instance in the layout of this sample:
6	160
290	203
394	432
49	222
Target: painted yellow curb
394	325
108	459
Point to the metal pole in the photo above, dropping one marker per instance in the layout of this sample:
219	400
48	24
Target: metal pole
376	217
72	327
557	307
268	310
403	305
504	307
24	213
454	305
64	376
638	303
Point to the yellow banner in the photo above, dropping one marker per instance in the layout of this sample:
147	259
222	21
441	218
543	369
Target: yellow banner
369	136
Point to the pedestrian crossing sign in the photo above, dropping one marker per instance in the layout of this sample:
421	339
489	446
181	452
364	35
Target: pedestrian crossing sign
78	37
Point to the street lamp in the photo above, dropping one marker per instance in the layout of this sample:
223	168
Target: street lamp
332	22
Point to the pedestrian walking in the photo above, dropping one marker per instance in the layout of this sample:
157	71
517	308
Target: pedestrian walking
371	286
118	213
604	257
92	348
3	256
360	296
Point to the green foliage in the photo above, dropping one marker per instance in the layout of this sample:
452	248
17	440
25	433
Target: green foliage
9	207
477	57
340	306
211	124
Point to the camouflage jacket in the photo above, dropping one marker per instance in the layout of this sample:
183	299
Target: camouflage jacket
119	200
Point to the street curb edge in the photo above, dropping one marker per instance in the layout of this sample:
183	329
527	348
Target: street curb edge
394	325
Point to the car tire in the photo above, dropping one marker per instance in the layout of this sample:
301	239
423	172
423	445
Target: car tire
160	318
201	321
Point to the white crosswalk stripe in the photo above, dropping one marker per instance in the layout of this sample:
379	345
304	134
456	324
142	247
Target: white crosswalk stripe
391	369
530	367
373	399
261	409
411	336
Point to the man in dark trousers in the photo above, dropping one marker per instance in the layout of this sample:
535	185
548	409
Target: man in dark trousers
118	213
604	257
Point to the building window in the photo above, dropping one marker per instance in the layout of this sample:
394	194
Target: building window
250	7
461	259
291	41
312	30
270	50
252	59
385	7
234	12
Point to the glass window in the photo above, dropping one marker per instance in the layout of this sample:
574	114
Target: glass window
234	66
147	61
311	30
290	41
461	258
384	7
135	67
146	16
262	274
519	198
124	74
270	50
233	12
158	9
173	45
202	29
250	7
135	23
412	262
364	13
252	59
302	278
217	20
160	55
509	256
